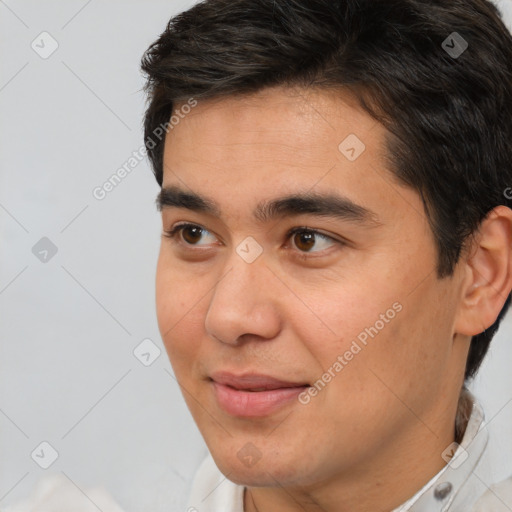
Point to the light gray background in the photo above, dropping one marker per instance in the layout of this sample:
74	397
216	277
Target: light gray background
69	326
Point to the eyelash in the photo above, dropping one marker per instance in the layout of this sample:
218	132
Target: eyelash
173	234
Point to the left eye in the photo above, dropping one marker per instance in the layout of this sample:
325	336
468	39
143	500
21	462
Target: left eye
304	238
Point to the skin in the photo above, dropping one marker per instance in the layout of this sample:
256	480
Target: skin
375	434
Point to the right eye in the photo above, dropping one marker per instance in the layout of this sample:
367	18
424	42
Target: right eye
191	233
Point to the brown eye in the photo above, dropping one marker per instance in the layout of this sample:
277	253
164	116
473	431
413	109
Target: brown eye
304	239
190	234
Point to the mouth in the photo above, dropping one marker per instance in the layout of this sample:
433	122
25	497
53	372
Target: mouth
253	381
253	395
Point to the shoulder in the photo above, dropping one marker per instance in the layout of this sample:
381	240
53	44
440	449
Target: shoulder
211	491
498	498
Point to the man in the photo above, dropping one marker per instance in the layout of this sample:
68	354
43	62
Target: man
336	250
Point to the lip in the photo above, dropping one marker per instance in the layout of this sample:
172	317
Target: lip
233	393
248	381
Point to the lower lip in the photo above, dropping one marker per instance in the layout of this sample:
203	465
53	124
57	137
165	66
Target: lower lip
254	403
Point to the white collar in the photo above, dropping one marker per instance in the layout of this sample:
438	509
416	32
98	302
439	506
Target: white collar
459	484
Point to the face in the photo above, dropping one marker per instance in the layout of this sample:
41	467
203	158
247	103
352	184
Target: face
309	354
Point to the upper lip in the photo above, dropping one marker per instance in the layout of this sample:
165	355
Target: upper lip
253	381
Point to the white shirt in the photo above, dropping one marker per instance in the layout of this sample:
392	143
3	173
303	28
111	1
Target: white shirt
458	487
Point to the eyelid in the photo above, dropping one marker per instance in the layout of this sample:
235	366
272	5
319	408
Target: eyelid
175	230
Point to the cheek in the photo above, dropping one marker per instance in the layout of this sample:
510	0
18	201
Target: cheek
359	311
400	361
369	324
179	303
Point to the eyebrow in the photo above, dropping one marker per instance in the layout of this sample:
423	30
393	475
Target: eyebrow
312	203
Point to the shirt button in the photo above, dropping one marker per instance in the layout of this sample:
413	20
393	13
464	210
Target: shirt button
442	490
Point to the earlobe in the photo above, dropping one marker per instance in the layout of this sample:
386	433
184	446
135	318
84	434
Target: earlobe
488	278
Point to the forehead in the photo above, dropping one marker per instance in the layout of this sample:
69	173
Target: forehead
296	113
280	127
245	149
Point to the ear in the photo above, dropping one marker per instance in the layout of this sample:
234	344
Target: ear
488	273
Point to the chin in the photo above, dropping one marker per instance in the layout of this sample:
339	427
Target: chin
250	478
264	472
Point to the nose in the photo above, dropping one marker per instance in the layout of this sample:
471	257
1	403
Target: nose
244	304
